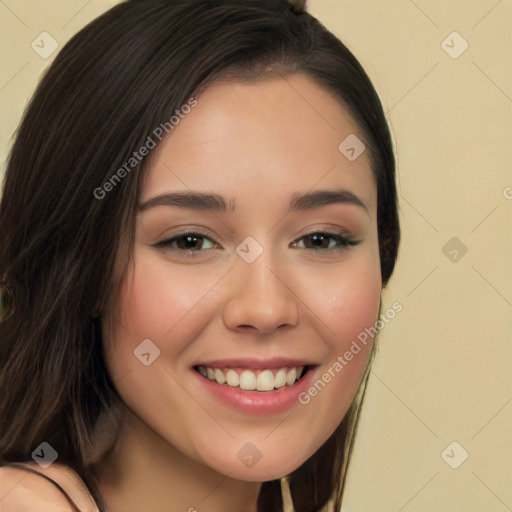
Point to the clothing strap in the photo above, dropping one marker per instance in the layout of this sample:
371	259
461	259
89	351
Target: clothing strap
21	466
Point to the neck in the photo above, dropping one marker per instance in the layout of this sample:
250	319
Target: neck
144	472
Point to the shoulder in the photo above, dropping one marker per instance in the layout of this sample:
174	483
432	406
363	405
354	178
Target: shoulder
22	490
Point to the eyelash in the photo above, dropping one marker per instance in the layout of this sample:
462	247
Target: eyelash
344	242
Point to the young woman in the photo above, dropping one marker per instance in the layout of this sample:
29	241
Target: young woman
198	217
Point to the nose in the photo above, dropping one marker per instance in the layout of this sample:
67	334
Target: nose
261	298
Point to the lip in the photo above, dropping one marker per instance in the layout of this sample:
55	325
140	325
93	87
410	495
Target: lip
258	402
257	364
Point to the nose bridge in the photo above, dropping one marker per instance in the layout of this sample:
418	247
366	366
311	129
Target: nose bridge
260	279
260	297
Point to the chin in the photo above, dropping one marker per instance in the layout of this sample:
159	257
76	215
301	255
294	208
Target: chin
261	470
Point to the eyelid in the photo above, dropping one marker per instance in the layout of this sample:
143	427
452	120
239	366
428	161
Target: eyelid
329	231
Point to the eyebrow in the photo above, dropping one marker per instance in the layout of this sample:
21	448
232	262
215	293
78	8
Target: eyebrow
217	203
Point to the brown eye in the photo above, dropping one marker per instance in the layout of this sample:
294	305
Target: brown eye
187	243
323	241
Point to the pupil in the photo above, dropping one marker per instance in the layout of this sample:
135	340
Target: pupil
190	241
318	238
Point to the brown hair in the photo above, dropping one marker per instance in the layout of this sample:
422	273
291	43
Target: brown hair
121	76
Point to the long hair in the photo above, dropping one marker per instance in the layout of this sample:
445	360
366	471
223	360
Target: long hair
109	87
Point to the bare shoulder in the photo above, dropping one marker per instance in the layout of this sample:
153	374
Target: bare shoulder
24	491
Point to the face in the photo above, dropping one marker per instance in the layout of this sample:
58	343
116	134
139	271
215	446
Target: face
258	279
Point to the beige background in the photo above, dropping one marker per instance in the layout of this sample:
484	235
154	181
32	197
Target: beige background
443	369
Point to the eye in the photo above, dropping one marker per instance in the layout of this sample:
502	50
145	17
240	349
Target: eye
323	240
188	242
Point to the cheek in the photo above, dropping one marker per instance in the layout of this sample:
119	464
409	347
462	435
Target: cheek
348	299
355	305
157	304
349	303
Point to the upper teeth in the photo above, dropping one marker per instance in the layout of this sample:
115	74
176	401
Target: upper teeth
248	380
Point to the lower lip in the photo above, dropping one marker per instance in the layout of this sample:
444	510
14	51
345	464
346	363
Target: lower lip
258	402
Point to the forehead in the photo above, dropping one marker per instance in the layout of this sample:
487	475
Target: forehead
263	139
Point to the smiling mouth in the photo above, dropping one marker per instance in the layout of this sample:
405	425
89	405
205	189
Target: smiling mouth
263	380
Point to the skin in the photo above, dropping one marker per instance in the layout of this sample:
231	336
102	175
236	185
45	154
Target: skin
23	490
256	143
